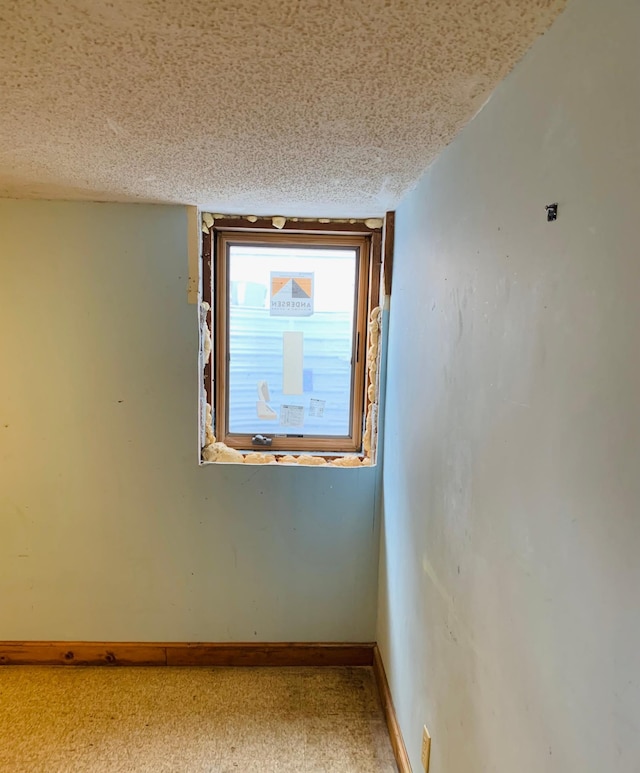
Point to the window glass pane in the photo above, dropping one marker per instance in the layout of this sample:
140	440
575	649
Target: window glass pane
291	318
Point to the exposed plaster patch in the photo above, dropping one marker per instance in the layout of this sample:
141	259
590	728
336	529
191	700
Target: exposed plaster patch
279	221
207	344
347	461
206	433
369	442
221	453
256	458
206	341
304	459
209	437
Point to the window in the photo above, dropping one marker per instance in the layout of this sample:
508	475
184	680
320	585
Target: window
290	317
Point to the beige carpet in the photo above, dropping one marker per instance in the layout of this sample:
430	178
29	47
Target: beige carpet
219	720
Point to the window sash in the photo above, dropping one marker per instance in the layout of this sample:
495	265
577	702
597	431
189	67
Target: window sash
316	443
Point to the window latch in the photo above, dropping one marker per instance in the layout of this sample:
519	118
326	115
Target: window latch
261	440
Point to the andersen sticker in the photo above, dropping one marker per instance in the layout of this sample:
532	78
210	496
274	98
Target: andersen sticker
291	294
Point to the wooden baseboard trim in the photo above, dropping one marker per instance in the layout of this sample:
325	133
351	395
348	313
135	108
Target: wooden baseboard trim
395	734
78	653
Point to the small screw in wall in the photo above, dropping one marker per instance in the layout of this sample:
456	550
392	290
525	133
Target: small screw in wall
552	212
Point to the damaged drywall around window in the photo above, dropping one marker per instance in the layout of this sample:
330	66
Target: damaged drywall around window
279	222
204	356
369	442
216	452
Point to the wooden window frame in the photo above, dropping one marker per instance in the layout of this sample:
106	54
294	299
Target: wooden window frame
216	292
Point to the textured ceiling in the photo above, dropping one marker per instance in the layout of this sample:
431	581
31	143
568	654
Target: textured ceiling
299	107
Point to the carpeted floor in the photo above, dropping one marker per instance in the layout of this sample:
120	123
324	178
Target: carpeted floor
183	720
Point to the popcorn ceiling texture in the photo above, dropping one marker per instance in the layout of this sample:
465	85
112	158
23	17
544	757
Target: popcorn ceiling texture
307	107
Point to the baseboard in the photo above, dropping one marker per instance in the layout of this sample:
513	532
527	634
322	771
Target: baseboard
395	734
83	653
79	653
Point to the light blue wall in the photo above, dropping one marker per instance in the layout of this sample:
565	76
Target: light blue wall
109	530
510	566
